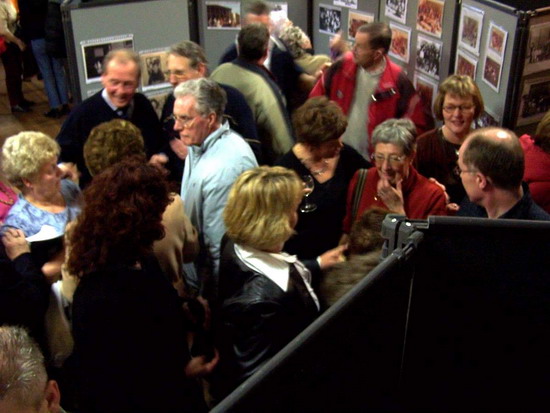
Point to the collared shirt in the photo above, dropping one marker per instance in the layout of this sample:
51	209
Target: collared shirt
126	113
275	266
210	170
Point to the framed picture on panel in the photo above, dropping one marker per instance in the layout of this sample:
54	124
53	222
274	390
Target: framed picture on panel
469	29
496	41
396	10
428	55
492	70
426	88
465	64
535	100
223	15
352	4
94	50
356	20
537	57
330	19
154	66
400	42
429	18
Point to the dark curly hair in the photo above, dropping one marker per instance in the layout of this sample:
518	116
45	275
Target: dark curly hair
318	120
121	217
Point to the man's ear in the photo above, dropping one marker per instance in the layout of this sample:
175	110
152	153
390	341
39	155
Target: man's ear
202	69
482	180
53	396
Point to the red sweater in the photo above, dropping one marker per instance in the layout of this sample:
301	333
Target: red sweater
422	197
537	172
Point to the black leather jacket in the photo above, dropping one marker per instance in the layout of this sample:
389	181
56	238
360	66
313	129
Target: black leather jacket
253	319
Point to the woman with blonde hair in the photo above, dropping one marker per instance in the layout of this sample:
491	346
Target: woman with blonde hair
264	297
458	104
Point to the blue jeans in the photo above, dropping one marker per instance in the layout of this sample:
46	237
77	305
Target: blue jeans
53	73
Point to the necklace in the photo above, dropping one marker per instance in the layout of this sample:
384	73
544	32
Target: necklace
10	200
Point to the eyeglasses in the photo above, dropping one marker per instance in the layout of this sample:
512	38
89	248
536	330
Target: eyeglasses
185	121
461	108
394	160
466	171
176	73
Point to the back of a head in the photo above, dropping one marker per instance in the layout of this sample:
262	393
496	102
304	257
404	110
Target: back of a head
259	204
191	51
23	375
257	7
111	142
496	153
253	41
366	232
400	132
379	35
542	134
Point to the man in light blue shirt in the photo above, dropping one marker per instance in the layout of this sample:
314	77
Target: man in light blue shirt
217	156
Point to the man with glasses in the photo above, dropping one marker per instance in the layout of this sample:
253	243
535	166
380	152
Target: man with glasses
370	88
118	99
491	163
217	156
186	61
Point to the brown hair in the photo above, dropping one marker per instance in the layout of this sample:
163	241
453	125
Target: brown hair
318	120
462	86
379	35
542	134
121	217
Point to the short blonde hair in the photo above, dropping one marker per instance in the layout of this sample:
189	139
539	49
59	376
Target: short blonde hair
24	154
462	86
260	202
111	142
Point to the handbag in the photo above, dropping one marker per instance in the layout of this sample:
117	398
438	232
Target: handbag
3	45
358	192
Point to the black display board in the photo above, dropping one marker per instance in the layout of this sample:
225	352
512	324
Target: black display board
455	319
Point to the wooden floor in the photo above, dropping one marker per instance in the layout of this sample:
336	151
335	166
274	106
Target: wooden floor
10	124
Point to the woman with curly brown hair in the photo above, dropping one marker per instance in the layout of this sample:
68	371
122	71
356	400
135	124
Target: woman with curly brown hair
130	351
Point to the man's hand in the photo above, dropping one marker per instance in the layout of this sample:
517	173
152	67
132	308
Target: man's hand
452	208
158	159
15	243
200	367
179	148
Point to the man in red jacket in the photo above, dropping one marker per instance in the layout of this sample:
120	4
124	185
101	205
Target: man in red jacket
370	88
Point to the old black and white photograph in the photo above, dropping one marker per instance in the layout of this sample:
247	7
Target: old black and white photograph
352	4
157	99
491	73
356	20
397	10
330	19
469	29
95	50
535	100
223	15
153	68
537	57
428	55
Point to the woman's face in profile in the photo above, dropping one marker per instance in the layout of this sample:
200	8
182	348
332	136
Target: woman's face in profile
329	149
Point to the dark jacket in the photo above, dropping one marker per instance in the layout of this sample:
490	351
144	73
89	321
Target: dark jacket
253	319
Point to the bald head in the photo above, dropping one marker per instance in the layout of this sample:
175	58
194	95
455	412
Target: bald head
497	154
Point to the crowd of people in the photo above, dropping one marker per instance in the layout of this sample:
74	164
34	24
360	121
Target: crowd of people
156	266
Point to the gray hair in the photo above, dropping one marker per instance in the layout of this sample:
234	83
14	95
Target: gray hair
22	370
209	96
191	51
400	132
123	56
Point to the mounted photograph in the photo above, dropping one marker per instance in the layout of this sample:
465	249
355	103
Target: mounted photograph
469	29
223	15
400	42
397	10
153	68
496	41
429	18
356	20
426	88
465	65
491	73
535	100
537	57
428	55
330	19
